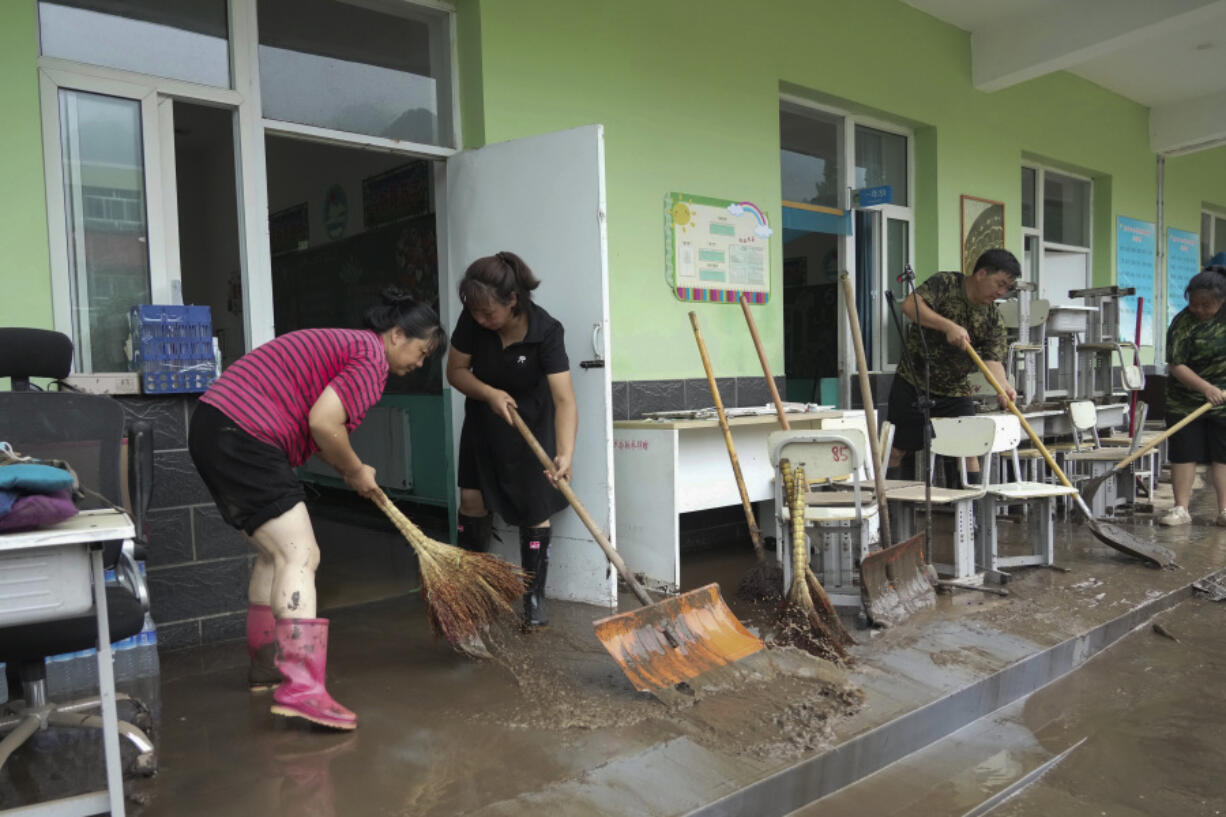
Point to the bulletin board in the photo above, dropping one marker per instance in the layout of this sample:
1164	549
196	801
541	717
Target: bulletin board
716	249
1182	262
1134	267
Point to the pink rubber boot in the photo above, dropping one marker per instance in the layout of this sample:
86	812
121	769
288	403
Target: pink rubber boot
262	648
302	658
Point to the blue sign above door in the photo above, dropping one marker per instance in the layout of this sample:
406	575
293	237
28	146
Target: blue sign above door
872	196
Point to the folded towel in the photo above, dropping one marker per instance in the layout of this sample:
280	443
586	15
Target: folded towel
38	511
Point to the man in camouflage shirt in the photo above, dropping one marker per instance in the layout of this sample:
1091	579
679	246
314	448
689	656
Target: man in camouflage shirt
954	310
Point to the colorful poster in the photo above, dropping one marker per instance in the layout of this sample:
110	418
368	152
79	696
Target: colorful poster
1182	262
1134	267
716	249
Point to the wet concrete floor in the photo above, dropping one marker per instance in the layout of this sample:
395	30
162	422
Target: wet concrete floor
1142	722
554	728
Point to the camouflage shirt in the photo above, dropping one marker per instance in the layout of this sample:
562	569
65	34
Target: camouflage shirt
1201	346
949	366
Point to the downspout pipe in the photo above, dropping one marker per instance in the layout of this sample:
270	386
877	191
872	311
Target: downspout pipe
1160	283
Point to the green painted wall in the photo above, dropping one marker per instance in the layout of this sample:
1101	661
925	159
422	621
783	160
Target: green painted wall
26	276
1193	182
689	98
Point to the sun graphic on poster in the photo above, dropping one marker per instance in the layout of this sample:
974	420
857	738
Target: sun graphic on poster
682	215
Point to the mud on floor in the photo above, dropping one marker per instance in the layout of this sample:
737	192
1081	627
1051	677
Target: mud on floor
776	704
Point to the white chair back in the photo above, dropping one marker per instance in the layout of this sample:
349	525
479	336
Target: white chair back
964	437
1132	377
1084	418
1040	308
1008	434
981	389
823	454
1010	312
858	423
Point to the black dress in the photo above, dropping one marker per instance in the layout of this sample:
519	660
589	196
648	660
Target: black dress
494	458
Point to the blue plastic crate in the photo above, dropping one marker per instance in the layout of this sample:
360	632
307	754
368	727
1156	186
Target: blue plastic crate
172	348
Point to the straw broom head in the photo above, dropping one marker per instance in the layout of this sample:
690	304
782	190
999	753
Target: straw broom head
799	623
464	592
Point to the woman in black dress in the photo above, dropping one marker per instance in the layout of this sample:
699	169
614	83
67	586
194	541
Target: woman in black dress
507	352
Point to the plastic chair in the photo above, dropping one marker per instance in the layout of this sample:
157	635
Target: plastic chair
1002	433
949	440
845	522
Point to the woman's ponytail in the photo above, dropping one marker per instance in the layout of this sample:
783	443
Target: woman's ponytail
497	277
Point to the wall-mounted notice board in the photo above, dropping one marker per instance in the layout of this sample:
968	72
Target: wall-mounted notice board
716	249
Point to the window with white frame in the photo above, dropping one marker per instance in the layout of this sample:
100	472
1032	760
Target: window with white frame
825	153
1056	231
115	74
1212	235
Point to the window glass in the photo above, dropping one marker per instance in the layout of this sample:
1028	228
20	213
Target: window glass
881	158
1219	235
1030	259
104	211
1066	210
183	40
1028	181
335	65
809	157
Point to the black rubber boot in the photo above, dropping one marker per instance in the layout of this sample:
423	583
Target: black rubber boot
473	532
534	556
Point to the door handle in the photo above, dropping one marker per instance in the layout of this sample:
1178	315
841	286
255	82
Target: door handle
598	361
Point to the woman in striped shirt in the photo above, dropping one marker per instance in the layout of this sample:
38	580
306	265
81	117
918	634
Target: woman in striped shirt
299	394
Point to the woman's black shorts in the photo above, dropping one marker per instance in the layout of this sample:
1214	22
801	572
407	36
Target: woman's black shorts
1201	441
250	480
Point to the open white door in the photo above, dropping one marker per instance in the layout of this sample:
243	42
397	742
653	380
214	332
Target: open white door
543	197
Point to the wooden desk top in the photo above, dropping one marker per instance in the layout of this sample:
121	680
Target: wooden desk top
713	422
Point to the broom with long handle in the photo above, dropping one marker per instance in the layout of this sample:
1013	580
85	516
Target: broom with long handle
464	592
816	591
765	578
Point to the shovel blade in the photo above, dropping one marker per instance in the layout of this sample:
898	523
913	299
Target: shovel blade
1125	542
708	636
894	584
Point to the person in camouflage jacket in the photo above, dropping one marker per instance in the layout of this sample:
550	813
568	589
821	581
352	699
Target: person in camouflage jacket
1196	361
952	310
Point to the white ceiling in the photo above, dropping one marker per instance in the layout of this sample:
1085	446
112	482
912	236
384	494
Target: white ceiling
1169	55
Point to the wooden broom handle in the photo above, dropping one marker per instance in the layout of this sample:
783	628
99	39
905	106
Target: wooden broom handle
402	522
1155	442
754	534
1034	438
562	485
870	411
766	367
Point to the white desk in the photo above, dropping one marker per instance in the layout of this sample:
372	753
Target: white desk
665	468
88	530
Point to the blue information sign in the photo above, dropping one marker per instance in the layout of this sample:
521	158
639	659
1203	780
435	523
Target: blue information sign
1134	267
873	196
1182	262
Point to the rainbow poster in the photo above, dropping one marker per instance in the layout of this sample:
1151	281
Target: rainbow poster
717	249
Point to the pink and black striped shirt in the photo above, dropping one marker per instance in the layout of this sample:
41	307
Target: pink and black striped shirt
270	390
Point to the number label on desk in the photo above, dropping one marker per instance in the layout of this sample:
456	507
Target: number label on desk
840	453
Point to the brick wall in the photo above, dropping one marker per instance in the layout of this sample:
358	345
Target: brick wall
198	566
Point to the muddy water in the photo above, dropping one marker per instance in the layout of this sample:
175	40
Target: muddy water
1151	712
1154	712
